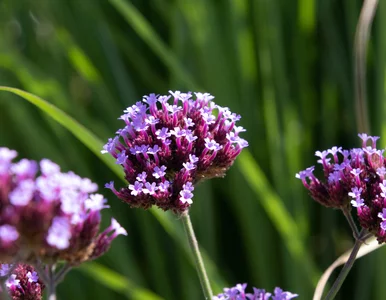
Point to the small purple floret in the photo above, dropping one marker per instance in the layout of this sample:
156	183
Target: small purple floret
212	145
142	177
8	233
163	133
96	202
279	294
59	233
4	269
12	282
186	197
150	188
136	188
193	159
32	277
159	172
189	166
121	158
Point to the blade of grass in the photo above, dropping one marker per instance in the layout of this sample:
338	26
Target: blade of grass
147	33
116	282
80	132
278	214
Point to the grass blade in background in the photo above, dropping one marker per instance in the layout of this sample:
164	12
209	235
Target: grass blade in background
84	135
116	282
144	29
279	216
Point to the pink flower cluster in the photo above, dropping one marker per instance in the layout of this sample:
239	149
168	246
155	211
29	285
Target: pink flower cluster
21	282
170	143
353	178
47	215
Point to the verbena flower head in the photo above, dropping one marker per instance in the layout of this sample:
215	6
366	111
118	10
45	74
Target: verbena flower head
22	282
353	178
48	215
168	144
238	293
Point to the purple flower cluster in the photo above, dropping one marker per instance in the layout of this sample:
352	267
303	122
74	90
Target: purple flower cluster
167	147
356	177
238	293
51	216
22	283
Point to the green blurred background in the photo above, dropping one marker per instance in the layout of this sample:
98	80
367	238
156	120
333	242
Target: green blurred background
284	65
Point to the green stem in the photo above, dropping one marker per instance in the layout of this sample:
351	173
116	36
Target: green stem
346	268
197	255
47	274
51	285
362	35
354	228
59	276
4	294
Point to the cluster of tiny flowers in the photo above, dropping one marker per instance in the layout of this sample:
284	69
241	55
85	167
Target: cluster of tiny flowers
238	293
353	177
21	282
51	216
167	146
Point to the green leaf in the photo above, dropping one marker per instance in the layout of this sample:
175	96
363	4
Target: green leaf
116	282
277	213
147	33
80	132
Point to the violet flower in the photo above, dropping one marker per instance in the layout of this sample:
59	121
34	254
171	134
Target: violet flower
166	145
238	293
22	283
47	215
353	178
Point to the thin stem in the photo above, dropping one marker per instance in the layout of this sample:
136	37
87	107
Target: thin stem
354	228
346	268
197	255
366	236
42	272
51	284
59	276
4	294
361	40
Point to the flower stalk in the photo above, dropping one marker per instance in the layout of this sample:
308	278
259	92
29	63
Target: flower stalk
362	36
350	220
51	285
59	276
346	268
205	284
4	295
